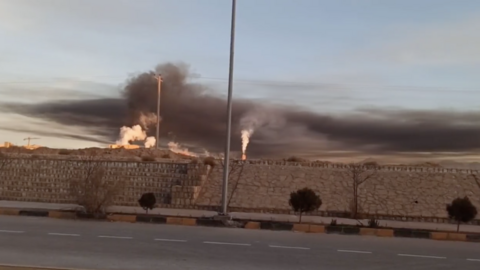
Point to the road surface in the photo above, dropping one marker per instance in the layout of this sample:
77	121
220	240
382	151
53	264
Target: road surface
108	245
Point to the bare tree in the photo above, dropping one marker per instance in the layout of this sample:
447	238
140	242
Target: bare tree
477	181
91	188
359	173
234	167
5	161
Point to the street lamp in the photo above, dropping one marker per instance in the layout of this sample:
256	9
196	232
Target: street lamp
229	113
158	77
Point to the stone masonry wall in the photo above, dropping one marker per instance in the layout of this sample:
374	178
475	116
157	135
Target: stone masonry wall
391	191
49	180
258	186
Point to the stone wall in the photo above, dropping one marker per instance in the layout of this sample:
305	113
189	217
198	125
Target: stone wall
391	191
49	180
258	186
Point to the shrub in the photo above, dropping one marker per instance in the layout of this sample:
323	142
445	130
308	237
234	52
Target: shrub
294	159
304	201
194	161
461	210
5	161
64	152
373	223
209	161
147	201
370	164
93	191
148	158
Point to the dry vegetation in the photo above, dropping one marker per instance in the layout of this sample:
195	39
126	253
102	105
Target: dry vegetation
92	189
141	154
147	155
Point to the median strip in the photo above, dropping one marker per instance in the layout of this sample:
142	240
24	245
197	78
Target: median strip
253	224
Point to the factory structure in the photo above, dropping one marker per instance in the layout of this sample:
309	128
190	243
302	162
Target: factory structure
126	146
29	146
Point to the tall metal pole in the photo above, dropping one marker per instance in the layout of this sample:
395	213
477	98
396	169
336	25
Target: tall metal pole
159	80
229	113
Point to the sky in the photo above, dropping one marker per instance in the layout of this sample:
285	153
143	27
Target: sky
327	56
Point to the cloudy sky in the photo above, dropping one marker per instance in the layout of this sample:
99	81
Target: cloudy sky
327	56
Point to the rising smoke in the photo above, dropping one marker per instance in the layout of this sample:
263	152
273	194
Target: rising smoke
129	135
197	117
260	117
178	149
150	142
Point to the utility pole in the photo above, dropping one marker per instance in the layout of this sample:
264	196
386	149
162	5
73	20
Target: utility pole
28	140
158	77
229	114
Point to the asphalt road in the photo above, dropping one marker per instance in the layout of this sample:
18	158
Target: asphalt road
107	245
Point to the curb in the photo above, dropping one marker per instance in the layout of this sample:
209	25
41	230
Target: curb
254	225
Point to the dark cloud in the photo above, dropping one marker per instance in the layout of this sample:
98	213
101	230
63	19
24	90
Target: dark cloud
197	116
55	134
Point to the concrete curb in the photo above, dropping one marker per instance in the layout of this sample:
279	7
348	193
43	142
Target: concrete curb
253	224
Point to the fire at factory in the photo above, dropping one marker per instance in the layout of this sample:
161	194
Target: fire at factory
135	137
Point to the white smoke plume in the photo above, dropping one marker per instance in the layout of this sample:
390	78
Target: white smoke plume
131	134
150	142
246	134
177	148
147	119
255	119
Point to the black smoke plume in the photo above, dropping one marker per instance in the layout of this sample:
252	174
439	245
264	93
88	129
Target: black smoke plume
197	117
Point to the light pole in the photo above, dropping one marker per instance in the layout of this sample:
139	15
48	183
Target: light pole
226	160
159	91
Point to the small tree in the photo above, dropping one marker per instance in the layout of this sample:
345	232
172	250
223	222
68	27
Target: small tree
304	201
147	201
359	173
5	161
461	210
210	161
91	188
294	159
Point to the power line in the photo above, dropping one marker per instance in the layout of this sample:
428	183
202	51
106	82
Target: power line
289	83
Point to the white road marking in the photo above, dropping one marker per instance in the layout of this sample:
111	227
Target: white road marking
354	251
169	240
22	266
474	260
226	243
421	256
7	231
273	246
64	234
115	237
